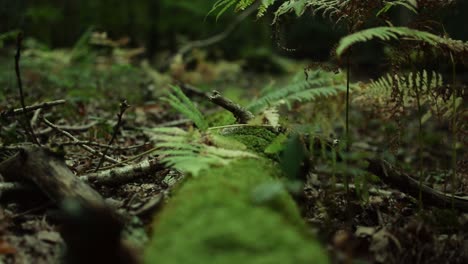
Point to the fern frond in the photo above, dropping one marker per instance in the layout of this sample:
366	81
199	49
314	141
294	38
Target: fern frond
422	81
395	33
320	85
243	4
192	151
264	7
330	8
223	5
411	5
179	101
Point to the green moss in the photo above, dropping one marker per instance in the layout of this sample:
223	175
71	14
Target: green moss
256	138
214	219
221	119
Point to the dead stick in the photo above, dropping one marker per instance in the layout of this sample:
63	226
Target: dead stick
30	108
28	128
82	128
243	115
123	106
405	183
47	170
123	174
70	136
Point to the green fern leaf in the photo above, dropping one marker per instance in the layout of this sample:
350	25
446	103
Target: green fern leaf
179	101
192	152
319	85
408	4
395	33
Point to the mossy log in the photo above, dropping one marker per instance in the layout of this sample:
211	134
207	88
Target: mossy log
233	214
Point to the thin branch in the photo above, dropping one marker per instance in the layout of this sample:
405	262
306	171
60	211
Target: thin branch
26	109
70	136
242	115
35	117
123	174
96	144
218	37
114	176
123	107
190	90
28	128
82	128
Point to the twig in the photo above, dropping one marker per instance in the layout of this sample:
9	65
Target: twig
242	115
190	90
221	36
138	156
30	108
68	128
108	177
96	144
70	136
47	170
28	128
405	183
36	115
123	174
123	106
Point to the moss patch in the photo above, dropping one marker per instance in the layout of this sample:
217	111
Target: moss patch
214	219
255	138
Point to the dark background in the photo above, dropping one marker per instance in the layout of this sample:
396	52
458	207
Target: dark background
161	25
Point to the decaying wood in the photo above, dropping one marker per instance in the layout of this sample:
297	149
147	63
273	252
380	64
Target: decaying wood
405	183
123	174
47	170
242	115
82	128
14	187
113	176
45	105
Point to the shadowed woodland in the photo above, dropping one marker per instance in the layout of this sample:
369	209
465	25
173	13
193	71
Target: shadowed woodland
233	131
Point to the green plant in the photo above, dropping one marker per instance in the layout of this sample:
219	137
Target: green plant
319	84
356	15
193	151
179	101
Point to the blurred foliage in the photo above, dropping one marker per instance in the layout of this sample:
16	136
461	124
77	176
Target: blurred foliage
166	24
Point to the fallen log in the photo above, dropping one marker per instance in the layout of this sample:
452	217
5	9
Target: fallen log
239	213
48	171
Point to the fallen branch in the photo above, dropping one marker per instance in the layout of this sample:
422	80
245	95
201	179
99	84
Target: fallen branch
405	183
213	39
242	115
70	136
190	90
82	128
48	171
27	125
96	144
114	176
123	174
26	109
123	107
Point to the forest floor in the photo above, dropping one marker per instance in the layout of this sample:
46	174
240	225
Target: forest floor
386	225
